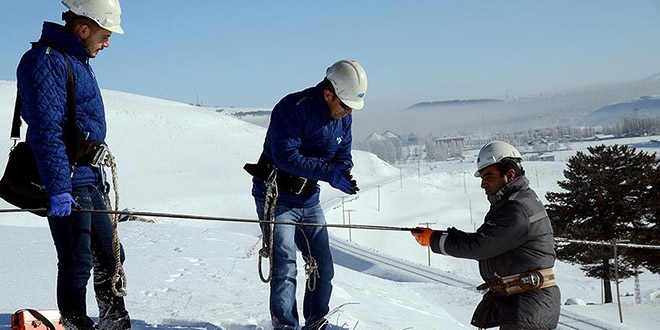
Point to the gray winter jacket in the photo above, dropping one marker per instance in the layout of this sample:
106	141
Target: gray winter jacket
516	237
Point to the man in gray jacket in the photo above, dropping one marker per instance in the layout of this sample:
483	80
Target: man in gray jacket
514	247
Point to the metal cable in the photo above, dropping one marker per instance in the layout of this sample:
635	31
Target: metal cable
329	225
214	218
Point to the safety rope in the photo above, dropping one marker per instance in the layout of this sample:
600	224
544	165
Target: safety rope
266	250
114	218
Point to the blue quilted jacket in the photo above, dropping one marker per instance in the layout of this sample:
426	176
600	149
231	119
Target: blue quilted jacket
304	140
42	76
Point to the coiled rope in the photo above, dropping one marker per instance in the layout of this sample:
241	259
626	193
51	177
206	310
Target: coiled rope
114	218
266	250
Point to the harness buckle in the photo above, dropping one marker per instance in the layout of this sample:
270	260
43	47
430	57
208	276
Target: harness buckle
302	186
530	280
100	155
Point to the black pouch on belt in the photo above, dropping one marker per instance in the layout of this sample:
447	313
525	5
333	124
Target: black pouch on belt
294	184
261	170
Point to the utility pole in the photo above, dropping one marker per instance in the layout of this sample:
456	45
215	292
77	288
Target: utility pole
638	295
378	198
474	226
538	183
428	248
616	279
343	211
350	238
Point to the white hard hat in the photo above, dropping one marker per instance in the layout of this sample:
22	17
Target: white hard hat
493	153
104	12
349	81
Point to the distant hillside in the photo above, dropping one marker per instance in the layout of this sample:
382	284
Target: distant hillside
643	107
653	77
423	105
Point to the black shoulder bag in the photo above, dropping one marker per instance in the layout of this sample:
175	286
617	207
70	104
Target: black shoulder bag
21	184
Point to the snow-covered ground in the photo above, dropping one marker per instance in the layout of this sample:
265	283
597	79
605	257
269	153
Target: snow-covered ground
200	274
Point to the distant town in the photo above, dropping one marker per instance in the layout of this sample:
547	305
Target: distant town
534	144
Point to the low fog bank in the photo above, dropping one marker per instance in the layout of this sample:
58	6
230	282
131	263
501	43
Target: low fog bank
565	108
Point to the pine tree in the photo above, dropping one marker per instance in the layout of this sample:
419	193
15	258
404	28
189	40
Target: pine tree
650	235
609	195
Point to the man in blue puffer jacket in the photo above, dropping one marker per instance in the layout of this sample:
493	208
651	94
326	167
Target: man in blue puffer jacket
308	140
83	240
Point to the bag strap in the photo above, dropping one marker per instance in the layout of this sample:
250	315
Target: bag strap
37	316
70	105
16	122
72	130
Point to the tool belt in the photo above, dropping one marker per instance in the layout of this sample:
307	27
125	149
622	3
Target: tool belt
285	181
527	281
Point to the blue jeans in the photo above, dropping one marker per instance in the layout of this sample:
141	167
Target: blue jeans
283	308
84	241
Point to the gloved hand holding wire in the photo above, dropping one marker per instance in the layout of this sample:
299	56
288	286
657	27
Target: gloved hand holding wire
422	235
60	205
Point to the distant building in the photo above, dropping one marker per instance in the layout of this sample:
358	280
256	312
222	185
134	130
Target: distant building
412	139
375	137
390	135
541	157
540	146
453	146
547	158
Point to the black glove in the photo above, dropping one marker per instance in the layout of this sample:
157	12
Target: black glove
343	180
349	176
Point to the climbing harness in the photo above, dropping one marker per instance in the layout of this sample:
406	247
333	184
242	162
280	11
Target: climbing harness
512	284
288	182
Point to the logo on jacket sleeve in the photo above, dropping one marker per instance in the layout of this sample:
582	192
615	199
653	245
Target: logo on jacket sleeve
339	140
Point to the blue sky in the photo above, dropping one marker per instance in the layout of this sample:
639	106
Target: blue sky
251	53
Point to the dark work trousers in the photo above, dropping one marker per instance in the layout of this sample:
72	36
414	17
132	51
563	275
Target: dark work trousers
84	242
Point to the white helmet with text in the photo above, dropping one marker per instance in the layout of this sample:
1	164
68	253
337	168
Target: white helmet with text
106	13
349	81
